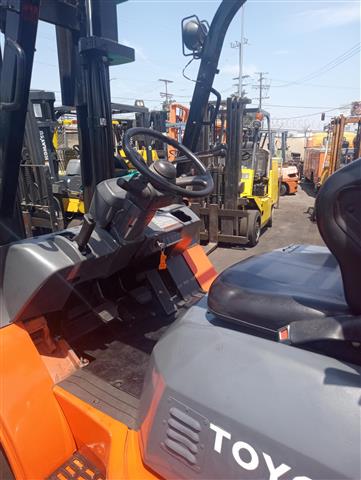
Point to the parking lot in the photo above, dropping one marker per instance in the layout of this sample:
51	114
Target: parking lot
291	225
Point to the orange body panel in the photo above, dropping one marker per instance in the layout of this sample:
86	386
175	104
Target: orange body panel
314	164
134	466
33	430
292	184
201	266
177	114
108	443
60	360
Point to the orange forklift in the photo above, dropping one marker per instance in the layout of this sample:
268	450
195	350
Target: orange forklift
328	151
289	181
177	118
342	146
290	177
122	354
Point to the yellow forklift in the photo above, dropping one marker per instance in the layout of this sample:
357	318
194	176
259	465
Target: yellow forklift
259	171
71	180
245	172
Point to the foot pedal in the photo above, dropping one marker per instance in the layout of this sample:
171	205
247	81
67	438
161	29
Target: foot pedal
77	467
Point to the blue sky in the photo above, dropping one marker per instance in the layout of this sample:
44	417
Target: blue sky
287	39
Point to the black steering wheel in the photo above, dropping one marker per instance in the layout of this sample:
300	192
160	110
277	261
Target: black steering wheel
162	174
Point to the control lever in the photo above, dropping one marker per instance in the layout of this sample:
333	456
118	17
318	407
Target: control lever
87	227
216	109
217	151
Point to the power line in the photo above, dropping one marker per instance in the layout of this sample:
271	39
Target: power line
313	114
343	87
332	64
340	60
325	68
294	106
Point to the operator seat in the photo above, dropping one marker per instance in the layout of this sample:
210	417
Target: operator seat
301	282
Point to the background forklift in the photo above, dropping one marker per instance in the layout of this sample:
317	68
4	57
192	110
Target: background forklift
339	150
50	182
40	196
177	118
71	181
290	177
115	362
245	173
259	169
326	152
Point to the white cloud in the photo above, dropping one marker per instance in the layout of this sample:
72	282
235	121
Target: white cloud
333	16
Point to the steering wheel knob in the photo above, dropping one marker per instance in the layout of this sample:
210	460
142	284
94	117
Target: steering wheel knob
165	169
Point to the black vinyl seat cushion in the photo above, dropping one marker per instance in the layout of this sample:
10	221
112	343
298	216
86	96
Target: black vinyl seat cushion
271	290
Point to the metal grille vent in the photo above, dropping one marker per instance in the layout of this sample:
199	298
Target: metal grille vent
183	436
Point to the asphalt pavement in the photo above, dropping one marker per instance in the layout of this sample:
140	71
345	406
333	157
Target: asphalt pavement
291	225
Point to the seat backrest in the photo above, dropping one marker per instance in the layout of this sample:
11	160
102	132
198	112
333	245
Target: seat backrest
338	213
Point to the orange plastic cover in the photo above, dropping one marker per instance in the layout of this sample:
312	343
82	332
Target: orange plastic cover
33	429
201	266
109	444
59	359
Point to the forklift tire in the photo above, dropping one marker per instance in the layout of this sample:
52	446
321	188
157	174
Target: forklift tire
254	227
283	189
243	226
270	221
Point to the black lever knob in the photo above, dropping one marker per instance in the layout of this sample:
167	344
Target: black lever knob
87	227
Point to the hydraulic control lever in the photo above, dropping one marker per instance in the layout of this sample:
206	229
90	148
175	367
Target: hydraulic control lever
87	227
217	151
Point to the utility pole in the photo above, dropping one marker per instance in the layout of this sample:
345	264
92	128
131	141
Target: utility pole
243	92
240	45
261	86
165	94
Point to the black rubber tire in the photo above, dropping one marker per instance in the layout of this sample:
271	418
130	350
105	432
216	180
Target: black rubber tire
283	190
270	221
254	227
